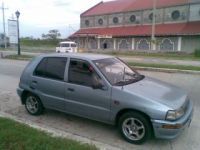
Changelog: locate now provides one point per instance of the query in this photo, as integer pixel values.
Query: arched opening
(166, 44)
(143, 44)
(105, 45)
(124, 44)
(92, 44)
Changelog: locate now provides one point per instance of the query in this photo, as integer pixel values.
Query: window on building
(100, 21)
(143, 44)
(167, 44)
(151, 16)
(124, 44)
(93, 44)
(53, 68)
(81, 73)
(132, 18)
(175, 15)
(87, 22)
(115, 20)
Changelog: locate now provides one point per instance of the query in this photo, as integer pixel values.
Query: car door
(48, 82)
(82, 98)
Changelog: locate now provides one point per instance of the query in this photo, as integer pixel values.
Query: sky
(40, 16)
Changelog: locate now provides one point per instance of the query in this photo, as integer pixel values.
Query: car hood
(159, 91)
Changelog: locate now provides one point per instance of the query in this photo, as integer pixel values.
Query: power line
(4, 27)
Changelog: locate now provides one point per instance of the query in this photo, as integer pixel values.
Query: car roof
(85, 56)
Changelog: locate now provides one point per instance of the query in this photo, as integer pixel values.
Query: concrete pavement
(95, 131)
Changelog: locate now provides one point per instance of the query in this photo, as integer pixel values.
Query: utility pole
(153, 40)
(4, 27)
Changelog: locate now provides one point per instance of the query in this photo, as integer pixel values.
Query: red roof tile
(128, 5)
(192, 28)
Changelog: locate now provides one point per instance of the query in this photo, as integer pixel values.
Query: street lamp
(17, 13)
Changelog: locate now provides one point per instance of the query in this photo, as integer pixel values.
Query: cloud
(39, 15)
(61, 3)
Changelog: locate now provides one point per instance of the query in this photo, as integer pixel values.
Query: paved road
(9, 102)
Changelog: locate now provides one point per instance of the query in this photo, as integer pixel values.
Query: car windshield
(117, 72)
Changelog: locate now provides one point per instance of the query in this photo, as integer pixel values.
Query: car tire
(135, 127)
(33, 105)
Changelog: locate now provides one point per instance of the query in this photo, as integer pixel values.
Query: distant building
(127, 25)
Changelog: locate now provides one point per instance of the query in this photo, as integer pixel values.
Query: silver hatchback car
(105, 89)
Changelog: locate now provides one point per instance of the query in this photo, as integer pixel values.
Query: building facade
(127, 25)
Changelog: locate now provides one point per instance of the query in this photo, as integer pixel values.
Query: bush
(197, 52)
(39, 42)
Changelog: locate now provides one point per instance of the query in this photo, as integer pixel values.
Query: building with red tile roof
(128, 25)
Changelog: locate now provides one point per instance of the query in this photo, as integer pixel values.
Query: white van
(67, 47)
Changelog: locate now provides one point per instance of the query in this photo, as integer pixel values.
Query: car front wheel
(134, 127)
(33, 105)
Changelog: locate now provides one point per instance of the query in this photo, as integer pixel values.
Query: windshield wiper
(129, 81)
(124, 82)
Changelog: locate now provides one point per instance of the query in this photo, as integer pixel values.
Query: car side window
(52, 67)
(82, 73)
(41, 68)
(55, 68)
(65, 45)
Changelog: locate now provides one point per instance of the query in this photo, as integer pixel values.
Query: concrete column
(179, 43)
(133, 44)
(153, 46)
(114, 43)
(98, 44)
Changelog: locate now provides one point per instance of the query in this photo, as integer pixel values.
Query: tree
(52, 35)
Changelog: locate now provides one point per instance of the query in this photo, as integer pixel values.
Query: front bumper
(171, 129)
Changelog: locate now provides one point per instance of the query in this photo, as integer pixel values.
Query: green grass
(17, 136)
(165, 66)
(32, 49)
(41, 49)
(20, 57)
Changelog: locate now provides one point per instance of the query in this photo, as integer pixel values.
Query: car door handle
(70, 89)
(31, 87)
(35, 82)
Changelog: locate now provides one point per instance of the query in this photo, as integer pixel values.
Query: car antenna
(123, 77)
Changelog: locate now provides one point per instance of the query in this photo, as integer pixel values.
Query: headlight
(175, 114)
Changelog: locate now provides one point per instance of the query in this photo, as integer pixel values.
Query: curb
(167, 70)
(59, 133)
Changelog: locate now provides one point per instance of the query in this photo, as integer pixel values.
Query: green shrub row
(39, 42)
(197, 52)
